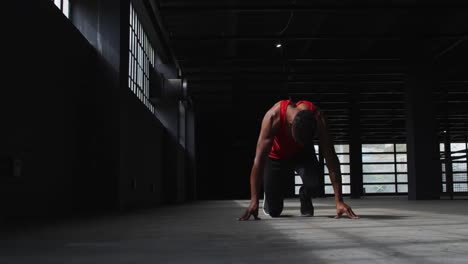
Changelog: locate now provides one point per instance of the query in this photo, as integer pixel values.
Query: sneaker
(265, 205)
(307, 208)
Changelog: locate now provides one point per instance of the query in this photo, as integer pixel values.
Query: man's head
(303, 127)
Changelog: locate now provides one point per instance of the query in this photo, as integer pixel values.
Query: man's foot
(307, 208)
(273, 211)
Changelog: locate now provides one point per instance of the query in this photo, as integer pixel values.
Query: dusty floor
(391, 230)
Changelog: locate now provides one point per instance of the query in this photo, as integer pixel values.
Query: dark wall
(178, 157)
(171, 167)
(141, 155)
(76, 138)
(99, 23)
(152, 162)
(57, 118)
(191, 158)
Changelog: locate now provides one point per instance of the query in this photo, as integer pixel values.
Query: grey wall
(99, 23)
(141, 155)
(57, 114)
(191, 146)
(82, 139)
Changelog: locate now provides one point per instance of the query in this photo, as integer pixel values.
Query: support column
(448, 164)
(424, 167)
(355, 146)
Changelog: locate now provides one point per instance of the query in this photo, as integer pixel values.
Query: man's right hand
(252, 210)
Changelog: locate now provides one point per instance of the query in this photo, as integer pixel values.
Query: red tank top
(284, 145)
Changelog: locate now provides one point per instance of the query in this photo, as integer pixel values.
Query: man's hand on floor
(252, 210)
(342, 208)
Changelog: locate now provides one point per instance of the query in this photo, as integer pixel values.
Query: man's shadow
(344, 216)
(372, 217)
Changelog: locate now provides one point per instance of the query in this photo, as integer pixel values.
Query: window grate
(141, 59)
(385, 168)
(64, 6)
(458, 167)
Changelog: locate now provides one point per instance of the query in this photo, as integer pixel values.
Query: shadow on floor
(362, 217)
(375, 217)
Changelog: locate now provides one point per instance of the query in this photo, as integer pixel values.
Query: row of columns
(424, 166)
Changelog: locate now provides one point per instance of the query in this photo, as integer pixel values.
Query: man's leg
(273, 187)
(307, 166)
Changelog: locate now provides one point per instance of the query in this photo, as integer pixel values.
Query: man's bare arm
(327, 146)
(264, 143)
(333, 164)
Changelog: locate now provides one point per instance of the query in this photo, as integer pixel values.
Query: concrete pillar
(448, 164)
(424, 167)
(355, 146)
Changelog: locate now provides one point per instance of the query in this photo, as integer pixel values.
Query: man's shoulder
(273, 114)
(277, 104)
(274, 110)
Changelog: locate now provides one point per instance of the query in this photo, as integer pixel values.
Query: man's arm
(328, 149)
(333, 164)
(264, 143)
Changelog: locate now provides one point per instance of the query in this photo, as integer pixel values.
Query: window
(141, 59)
(63, 5)
(459, 167)
(342, 151)
(384, 168)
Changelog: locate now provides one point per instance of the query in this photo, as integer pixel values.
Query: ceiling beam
(318, 65)
(337, 37)
(295, 82)
(176, 8)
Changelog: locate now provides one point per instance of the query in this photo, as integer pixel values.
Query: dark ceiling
(338, 54)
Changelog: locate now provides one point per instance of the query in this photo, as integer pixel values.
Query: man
(285, 144)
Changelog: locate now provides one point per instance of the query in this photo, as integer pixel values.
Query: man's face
(295, 135)
(303, 137)
(303, 128)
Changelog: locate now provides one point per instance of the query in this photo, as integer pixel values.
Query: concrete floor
(391, 230)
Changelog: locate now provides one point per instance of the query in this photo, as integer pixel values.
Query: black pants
(305, 163)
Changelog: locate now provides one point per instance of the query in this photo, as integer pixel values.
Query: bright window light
(384, 168)
(141, 59)
(63, 5)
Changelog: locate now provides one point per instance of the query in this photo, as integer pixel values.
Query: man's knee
(273, 205)
(274, 212)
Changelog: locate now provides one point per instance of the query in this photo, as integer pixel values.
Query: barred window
(141, 58)
(342, 151)
(63, 5)
(384, 168)
(343, 156)
(458, 155)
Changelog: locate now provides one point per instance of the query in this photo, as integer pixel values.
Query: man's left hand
(342, 208)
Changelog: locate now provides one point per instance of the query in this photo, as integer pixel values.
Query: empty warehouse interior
(129, 129)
